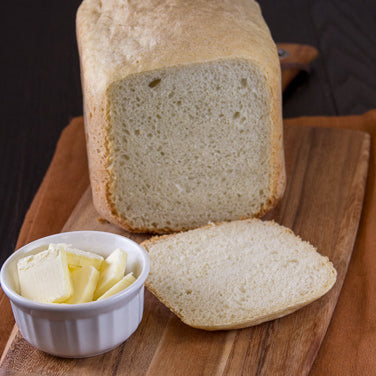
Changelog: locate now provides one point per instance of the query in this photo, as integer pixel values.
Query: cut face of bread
(236, 274)
(190, 144)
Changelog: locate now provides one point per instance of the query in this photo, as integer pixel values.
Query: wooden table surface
(41, 89)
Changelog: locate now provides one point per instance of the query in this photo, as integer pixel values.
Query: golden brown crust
(117, 39)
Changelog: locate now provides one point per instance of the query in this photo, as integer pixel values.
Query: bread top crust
(119, 38)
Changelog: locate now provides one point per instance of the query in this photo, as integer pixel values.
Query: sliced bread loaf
(182, 105)
(236, 274)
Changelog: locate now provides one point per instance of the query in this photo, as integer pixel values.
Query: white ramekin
(87, 329)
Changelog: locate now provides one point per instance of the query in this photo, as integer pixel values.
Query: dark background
(41, 92)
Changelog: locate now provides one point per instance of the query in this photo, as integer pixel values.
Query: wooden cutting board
(326, 171)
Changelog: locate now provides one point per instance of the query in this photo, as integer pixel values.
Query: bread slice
(182, 105)
(236, 274)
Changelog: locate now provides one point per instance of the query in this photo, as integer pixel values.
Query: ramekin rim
(81, 307)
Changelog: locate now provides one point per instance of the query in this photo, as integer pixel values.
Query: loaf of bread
(182, 106)
(236, 274)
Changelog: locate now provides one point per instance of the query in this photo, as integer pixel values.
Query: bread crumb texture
(190, 145)
(236, 274)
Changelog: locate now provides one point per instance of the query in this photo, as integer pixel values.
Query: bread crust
(117, 39)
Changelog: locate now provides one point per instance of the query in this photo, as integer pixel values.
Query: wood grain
(343, 32)
(335, 21)
(326, 170)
